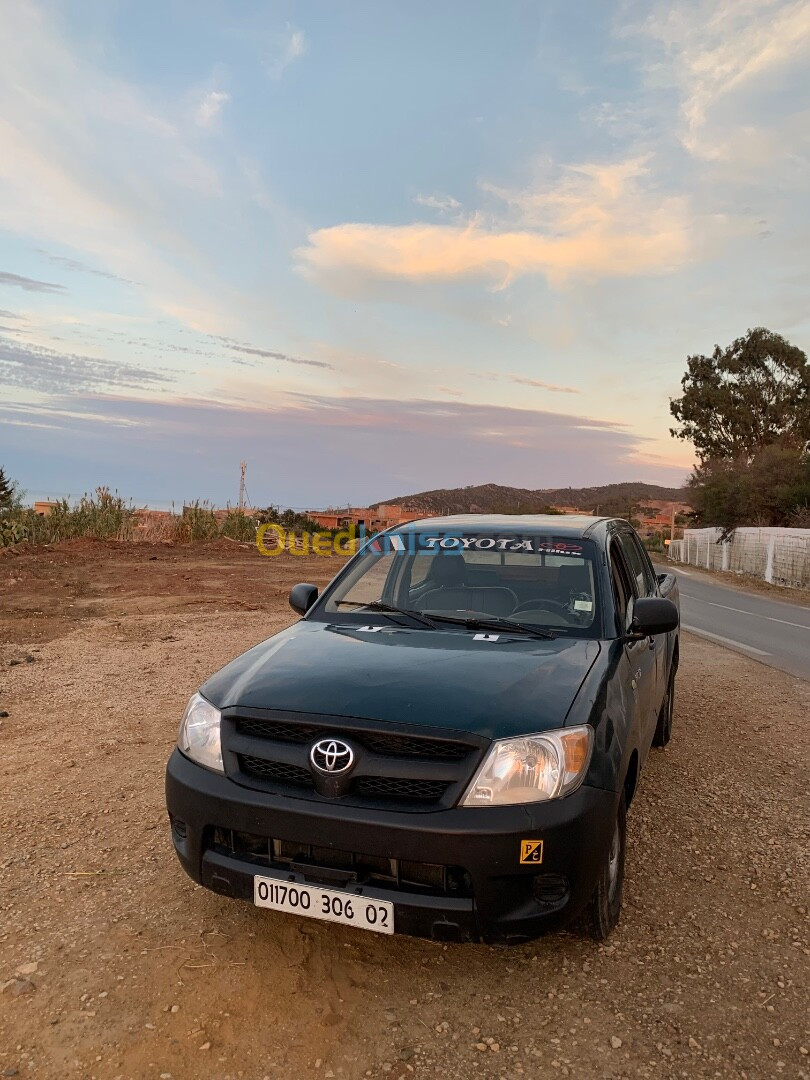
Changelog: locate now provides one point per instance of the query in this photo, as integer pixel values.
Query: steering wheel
(528, 605)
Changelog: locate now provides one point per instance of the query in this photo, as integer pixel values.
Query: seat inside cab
(558, 590)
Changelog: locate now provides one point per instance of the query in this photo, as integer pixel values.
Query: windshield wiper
(495, 623)
(490, 623)
(389, 609)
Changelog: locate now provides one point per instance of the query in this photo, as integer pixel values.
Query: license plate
(330, 905)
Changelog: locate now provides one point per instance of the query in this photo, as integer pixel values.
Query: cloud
(523, 380)
(31, 367)
(554, 387)
(268, 354)
(8, 314)
(734, 64)
(83, 268)
(326, 448)
(95, 164)
(346, 258)
(438, 202)
(591, 220)
(55, 416)
(29, 284)
(210, 108)
(293, 46)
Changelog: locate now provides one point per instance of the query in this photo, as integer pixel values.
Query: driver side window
(638, 564)
(622, 589)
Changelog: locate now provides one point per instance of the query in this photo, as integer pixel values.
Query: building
(659, 517)
(371, 518)
(44, 507)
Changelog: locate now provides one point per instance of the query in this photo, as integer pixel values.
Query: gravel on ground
(113, 964)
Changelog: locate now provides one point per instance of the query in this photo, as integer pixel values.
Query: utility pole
(243, 470)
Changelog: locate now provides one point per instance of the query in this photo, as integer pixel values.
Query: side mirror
(302, 597)
(653, 615)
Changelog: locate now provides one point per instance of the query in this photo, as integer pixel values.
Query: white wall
(781, 556)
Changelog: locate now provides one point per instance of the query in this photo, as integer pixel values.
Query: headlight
(532, 768)
(198, 737)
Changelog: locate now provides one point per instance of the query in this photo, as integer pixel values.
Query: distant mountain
(610, 499)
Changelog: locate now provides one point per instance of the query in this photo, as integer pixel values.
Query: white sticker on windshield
(505, 543)
(583, 605)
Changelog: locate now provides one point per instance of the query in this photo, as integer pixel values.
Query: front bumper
(506, 901)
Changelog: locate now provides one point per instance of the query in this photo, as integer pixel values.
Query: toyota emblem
(331, 756)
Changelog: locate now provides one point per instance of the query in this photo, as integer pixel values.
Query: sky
(377, 248)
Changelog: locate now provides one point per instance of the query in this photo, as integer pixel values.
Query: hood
(512, 686)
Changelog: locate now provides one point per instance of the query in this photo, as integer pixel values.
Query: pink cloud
(314, 449)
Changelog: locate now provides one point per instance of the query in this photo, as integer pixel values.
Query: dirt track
(129, 970)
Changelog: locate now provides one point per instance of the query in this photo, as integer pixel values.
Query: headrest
(574, 577)
(447, 570)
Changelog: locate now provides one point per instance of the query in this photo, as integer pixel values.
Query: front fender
(605, 701)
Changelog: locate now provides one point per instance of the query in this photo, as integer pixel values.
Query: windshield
(539, 581)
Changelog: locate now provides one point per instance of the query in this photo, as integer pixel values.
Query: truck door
(646, 579)
(640, 654)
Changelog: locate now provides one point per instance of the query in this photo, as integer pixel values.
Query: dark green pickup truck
(446, 744)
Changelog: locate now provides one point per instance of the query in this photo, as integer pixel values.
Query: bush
(197, 523)
(12, 531)
(238, 526)
(104, 516)
(772, 488)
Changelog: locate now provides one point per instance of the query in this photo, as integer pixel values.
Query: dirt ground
(114, 964)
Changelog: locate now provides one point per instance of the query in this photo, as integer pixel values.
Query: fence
(780, 556)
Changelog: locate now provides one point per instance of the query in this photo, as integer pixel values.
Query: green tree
(6, 491)
(745, 397)
(772, 488)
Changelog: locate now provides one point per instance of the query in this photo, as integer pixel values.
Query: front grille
(276, 729)
(401, 746)
(428, 790)
(377, 742)
(396, 767)
(277, 770)
(360, 869)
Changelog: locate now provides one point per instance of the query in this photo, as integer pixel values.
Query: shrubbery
(771, 488)
(105, 515)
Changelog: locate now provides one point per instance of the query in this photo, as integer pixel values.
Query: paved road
(769, 630)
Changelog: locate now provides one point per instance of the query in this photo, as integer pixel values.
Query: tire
(605, 905)
(663, 729)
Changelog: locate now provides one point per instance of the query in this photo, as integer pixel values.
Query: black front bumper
(507, 901)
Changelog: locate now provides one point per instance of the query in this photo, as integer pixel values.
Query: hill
(497, 499)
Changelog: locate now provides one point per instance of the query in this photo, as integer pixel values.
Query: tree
(772, 488)
(6, 491)
(752, 394)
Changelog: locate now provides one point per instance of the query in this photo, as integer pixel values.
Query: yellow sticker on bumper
(531, 851)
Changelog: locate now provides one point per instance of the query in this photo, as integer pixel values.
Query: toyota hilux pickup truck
(447, 742)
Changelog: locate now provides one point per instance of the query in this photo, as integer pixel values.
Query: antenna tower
(243, 470)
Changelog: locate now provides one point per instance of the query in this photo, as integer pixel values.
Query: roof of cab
(572, 525)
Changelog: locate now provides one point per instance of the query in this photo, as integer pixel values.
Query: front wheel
(663, 729)
(605, 905)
